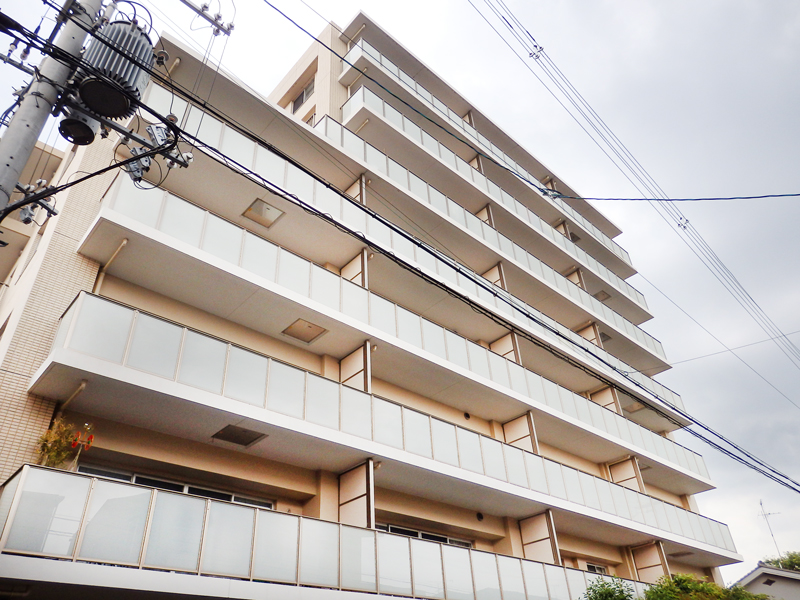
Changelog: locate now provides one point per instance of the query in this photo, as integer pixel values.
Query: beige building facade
(356, 347)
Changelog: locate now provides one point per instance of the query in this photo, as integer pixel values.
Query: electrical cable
(764, 469)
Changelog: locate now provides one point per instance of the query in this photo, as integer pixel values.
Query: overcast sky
(706, 97)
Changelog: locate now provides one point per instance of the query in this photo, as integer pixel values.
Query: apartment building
(367, 355)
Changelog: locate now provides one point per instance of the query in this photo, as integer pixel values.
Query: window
(173, 486)
(424, 535)
(304, 95)
(599, 569)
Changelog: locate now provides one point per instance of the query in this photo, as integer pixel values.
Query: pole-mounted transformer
(118, 60)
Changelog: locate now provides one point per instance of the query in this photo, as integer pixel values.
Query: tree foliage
(688, 587)
(55, 445)
(614, 589)
(790, 560)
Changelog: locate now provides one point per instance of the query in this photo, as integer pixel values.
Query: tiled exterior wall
(61, 274)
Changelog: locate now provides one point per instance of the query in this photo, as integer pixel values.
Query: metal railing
(365, 97)
(70, 516)
(201, 229)
(454, 119)
(120, 334)
(288, 177)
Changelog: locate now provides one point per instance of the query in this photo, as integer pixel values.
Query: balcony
(415, 345)
(322, 243)
(377, 122)
(94, 526)
(362, 55)
(634, 346)
(144, 371)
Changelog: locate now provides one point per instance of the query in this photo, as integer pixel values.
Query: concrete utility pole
(31, 115)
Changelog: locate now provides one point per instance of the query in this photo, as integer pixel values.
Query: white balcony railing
(70, 516)
(461, 125)
(366, 97)
(144, 342)
(257, 255)
(288, 177)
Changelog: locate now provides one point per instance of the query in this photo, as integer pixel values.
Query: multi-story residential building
(399, 366)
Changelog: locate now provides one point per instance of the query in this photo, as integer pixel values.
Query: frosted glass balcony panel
(388, 423)
(246, 376)
(353, 143)
(556, 583)
(457, 573)
(469, 450)
(238, 147)
(445, 447)
(222, 239)
(300, 183)
(555, 479)
(417, 186)
(499, 368)
(589, 490)
(577, 583)
(325, 287)
(260, 256)
(438, 200)
(175, 532)
(394, 565)
(286, 389)
(484, 573)
(478, 360)
(115, 523)
(426, 561)
(356, 413)
(102, 329)
(203, 126)
(409, 327)
(433, 339)
(228, 538)
(202, 362)
(634, 504)
(7, 497)
(48, 514)
(536, 477)
(182, 220)
(515, 466)
(382, 314)
(355, 301)
(573, 485)
(511, 578)
(322, 401)
(270, 166)
(328, 201)
(493, 458)
(398, 173)
(63, 326)
(517, 378)
(294, 272)
(358, 559)
(620, 501)
(319, 553)
(165, 102)
(275, 552)
(417, 429)
(155, 346)
(142, 205)
(535, 583)
(403, 246)
(376, 159)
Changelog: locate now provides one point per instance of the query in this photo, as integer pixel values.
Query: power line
(743, 457)
(707, 199)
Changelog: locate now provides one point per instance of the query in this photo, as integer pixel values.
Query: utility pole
(766, 516)
(30, 117)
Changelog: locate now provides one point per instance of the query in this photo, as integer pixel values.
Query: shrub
(603, 589)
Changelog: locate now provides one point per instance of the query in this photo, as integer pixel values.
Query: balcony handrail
(459, 123)
(502, 198)
(607, 362)
(635, 334)
(135, 212)
(90, 519)
(497, 459)
(644, 433)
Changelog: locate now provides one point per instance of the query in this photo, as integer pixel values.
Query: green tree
(603, 589)
(688, 587)
(790, 560)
